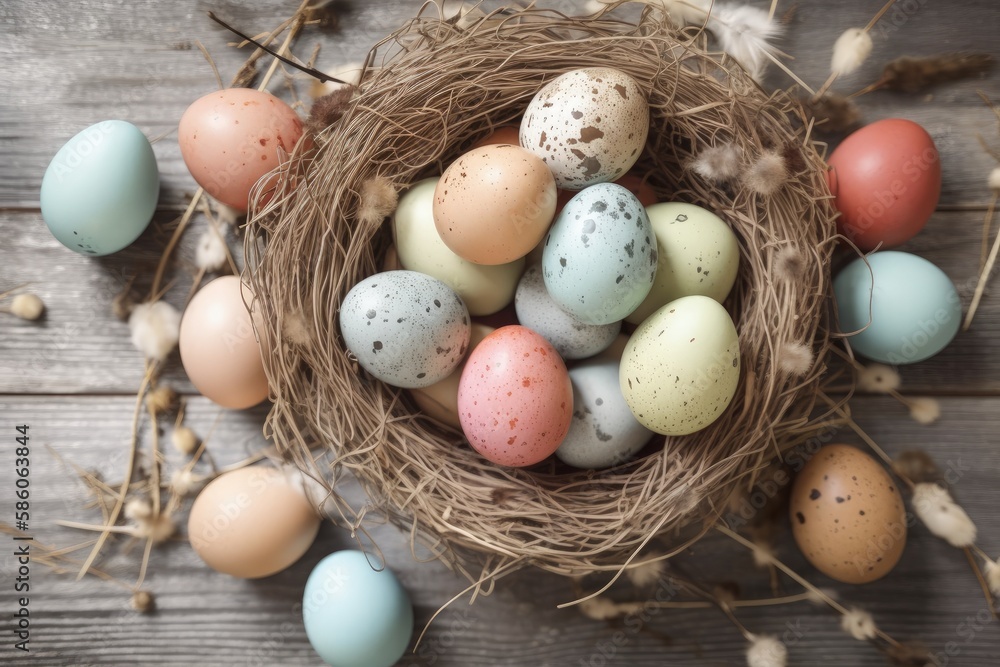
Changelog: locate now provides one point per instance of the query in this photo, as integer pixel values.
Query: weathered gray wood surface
(70, 377)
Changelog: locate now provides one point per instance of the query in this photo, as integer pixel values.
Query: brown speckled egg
(588, 125)
(847, 515)
(494, 204)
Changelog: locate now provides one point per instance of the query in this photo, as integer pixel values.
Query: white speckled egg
(599, 260)
(603, 432)
(571, 338)
(485, 289)
(697, 253)
(588, 125)
(407, 329)
(681, 366)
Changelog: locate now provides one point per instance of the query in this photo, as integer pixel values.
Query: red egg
(230, 138)
(515, 398)
(508, 134)
(886, 181)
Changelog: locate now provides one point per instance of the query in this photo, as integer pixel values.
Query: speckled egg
(515, 398)
(571, 338)
(588, 125)
(603, 432)
(681, 367)
(697, 253)
(847, 515)
(599, 260)
(405, 328)
(484, 289)
(440, 400)
(494, 204)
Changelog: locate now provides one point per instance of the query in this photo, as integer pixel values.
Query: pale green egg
(100, 190)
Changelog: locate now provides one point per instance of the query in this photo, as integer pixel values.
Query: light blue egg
(599, 259)
(915, 309)
(603, 432)
(356, 616)
(100, 190)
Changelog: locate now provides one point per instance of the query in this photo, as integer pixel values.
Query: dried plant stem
(298, 19)
(817, 592)
(129, 469)
(4, 295)
(185, 218)
(984, 276)
(211, 63)
(871, 24)
(981, 579)
(987, 224)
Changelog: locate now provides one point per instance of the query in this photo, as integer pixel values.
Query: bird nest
(429, 91)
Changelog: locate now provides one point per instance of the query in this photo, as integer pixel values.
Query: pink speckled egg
(515, 398)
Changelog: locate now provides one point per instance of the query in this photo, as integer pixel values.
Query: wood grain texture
(208, 619)
(70, 376)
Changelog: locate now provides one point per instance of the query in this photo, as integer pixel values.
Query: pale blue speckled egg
(915, 308)
(405, 328)
(100, 190)
(356, 616)
(599, 260)
(571, 338)
(603, 432)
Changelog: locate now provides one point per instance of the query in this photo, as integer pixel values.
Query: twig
(983, 277)
(987, 224)
(833, 75)
(161, 267)
(211, 63)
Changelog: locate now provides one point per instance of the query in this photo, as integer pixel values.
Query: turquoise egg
(915, 309)
(356, 616)
(100, 190)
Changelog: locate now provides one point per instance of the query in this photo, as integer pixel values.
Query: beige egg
(218, 345)
(252, 522)
(588, 125)
(440, 400)
(485, 289)
(847, 515)
(697, 253)
(494, 204)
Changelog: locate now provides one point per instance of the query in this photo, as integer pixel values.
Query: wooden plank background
(72, 376)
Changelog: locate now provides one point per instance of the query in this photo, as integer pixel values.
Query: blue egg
(356, 616)
(599, 259)
(915, 309)
(100, 190)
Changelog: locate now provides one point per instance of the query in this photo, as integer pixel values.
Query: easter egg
(571, 338)
(914, 308)
(847, 515)
(697, 253)
(440, 400)
(681, 367)
(494, 204)
(886, 182)
(230, 138)
(100, 190)
(604, 432)
(588, 125)
(218, 347)
(355, 615)
(485, 289)
(515, 398)
(599, 260)
(252, 522)
(405, 328)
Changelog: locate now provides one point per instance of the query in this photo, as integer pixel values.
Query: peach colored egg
(494, 204)
(508, 134)
(252, 522)
(218, 347)
(515, 398)
(847, 515)
(440, 400)
(230, 138)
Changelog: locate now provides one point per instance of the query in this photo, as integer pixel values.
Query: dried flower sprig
(851, 49)
(910, 74)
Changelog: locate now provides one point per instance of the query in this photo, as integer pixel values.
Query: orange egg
(508, 134)
(230, 138)
(515, 398)
(218, 347)
(886, 182)
(494, 204)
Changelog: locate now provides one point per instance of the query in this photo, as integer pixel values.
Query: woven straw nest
(429, 91)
